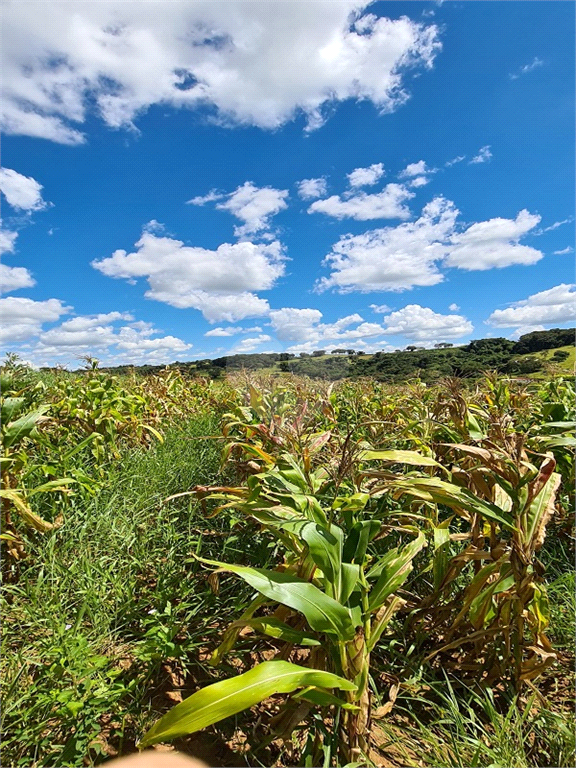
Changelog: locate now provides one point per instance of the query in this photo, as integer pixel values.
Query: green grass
(102, 601)
(563, 368)
(468, 729)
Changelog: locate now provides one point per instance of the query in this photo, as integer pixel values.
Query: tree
(524, 365)
(443, 345)
(318, 352)
(537, 340)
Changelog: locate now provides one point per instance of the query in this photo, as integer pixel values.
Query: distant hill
(532, 354)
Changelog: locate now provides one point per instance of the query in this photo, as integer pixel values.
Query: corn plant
(495, 624)
(329, 598)
(99, 405)
(20, 428)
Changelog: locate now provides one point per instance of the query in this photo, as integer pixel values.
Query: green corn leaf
(228, 697)
(252, 449)
(323, 613)
(349, 580)
(474, 429)
(540, 606)
(22, 427)
(482, 603)
(354, 503)
(441, 544)
(278, 629)
(358, 539)
(440, 492)
(558, 442)
(323, 699)
(295, 477)
(326, 550)
(395, 572)
(10, 408)
(51, 485)
(77, 448)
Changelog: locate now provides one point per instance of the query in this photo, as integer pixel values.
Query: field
(564, 366)
(367, 573)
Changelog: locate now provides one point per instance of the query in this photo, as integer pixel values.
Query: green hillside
(558, 363)
(535, 355)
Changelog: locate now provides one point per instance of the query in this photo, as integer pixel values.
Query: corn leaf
(399, 457)
(29, 517)
(323, 613)
(358, 539)
(153, 431)
(278, 629)
(440, 492)
(397, 566)
(22, 427)
(323, 699)
(10, 407)
(540, 511)
(228, 697)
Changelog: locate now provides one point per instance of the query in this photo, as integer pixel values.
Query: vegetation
(522, 358)
(308, 573)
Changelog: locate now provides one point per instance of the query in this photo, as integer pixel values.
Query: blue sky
(193, 179)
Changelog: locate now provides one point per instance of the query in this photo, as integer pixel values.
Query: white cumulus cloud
(494, 243)
(88, 331)
(393, 258)
(114, 337)
(419, 181)
(555, 305)
(387, 204)
(210, 197)
(23, 318)
(366, 177)
(252, 63)
(254, 206)
(232, 330)
(564, 251)
(304, 327)
(22, 192)
(7, 240)
(423, 324)
(411, 254)
(12, 278)
(219, 283)
(250, 344)
(555, 225)
(310, 189)
(415, 169)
